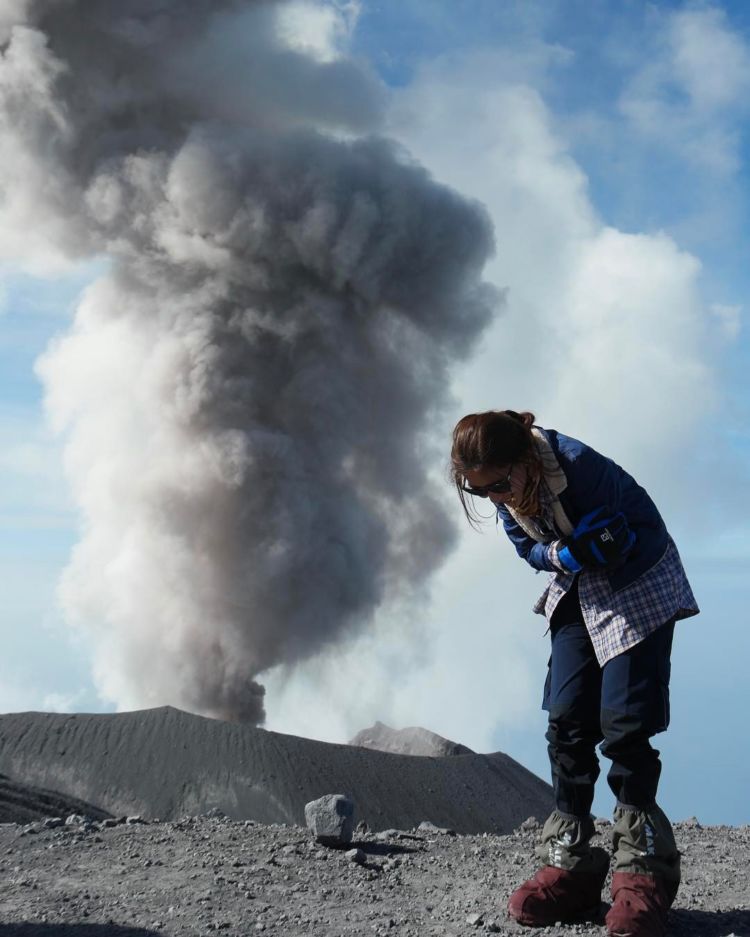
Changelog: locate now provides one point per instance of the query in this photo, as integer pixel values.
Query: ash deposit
(198, 876)
(165, 763)
(440, 844)
(24, 803)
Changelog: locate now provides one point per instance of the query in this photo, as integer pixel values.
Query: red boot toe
(640, 905)
(556, 895)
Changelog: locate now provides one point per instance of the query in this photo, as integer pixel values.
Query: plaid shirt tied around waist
(618, 620)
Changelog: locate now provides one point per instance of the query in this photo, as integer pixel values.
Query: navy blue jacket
(595, 481)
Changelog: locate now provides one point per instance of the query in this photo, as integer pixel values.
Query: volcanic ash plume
(249, 390)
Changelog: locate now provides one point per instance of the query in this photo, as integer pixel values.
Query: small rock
(215, 813)
(75, 819)
(385, 835)
(135, 819)
(357, 856)
(51, 823)
(362, 828)
(475, 919)
(531, 823)
(331, 819)
(108, 823)
(426, 826)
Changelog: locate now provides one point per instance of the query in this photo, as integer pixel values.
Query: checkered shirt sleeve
(554, 555)
(619, 620)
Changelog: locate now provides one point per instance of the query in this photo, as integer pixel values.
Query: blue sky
(609, 143)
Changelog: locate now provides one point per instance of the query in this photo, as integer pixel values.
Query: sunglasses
(500, 487)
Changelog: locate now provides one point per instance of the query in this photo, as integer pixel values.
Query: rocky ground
(200, 876)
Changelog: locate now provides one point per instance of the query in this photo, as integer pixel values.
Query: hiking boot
(555, 894)
(640, 904)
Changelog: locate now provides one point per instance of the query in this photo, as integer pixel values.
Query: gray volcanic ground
(165, 763)
(199, 876)
(24, 803)
(192, 876)
(414, 740)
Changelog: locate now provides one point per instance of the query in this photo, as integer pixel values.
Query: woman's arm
(594, 481)
(538, 555)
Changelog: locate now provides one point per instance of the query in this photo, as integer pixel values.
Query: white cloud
(33, 490)
(14, 698)
(634, 368)
(730, 320)
(62, 702)
(318, 30)
(584, 300)
(710, 61)
(605, 335)
(22, 696)
(466, 663)
(45, 295)
(17, 696)
(688, 94)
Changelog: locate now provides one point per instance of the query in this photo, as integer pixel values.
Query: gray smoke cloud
(250, 390)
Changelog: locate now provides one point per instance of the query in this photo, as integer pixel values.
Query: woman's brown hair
(496, 438)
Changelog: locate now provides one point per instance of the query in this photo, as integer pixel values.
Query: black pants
(621, 705)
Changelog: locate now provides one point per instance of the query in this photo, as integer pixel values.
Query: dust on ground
(202, 876)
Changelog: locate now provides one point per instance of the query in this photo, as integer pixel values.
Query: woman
(616, 590)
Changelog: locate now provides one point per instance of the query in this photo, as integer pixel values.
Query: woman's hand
(601, 539)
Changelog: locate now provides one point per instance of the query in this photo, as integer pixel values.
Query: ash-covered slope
(166, 763)
(413, 740)
(23, 803)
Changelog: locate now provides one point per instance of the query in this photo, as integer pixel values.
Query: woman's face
(489, 475)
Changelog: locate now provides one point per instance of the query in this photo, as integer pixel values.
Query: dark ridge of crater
(24, 803)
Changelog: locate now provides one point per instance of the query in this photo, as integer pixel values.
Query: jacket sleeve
(536, 554)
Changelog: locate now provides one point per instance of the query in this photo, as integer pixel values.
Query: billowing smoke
(250, 389)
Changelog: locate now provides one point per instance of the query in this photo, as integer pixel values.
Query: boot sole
(591, 914)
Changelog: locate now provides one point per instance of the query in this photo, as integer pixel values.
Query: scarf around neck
(553, 483)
